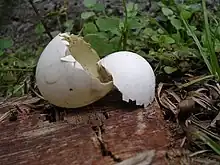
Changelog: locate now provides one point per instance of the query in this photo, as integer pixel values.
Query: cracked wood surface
(85, 139)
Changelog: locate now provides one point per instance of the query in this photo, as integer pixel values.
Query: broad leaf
(131, 6)
(155, 38)
(89, 28)
(186, 14)
(132, 9)
(98, 7)
(176, 23)
(115, 43)
(100, 43)
(107, 24)
(5, 43)
(169, 69)
(167, 11)
(149, 32)
(134, 24)
(89, 3)
(167, 39)
(87, 15)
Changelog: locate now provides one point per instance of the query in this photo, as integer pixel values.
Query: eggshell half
(132, 75)
(66, 82)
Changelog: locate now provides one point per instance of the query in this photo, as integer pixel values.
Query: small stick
(41, 19)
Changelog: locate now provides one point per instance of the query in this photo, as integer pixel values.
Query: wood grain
(86, 136)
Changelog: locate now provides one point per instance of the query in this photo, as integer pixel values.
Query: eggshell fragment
(67, 73)
(132, 75)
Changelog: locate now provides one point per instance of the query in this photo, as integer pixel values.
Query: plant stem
(125, 28)
(41, 19)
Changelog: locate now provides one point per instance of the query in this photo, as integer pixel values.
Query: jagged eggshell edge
(132, 75)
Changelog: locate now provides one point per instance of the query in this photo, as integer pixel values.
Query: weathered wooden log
(105, 133)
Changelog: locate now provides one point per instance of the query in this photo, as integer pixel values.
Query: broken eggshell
(132, 75)
(68, 75)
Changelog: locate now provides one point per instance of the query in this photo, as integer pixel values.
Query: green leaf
(167, 39)
(89, 3)
(68, 25)
(160, 31)
(87, 15)
(167, 11)
(108, 24)
(39, 29)
(131, 6)
(149, 32)
(176, 23)
(155, 38)
(115, 32)
(5, 43)
(98, 7)
(169, 69)
(208, 141)
(1, 52)
(100, 43)
(177, 37)
(115, 43)
(159, 18)
(134, 23)
(186, 14)
(132, 9)
(39, 51)
(195, 7)
(160, 4)
(89, 28)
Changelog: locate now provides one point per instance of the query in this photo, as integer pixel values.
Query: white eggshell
(132, 75)
(63, 81)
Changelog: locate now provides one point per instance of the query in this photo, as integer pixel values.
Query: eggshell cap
(132, 75)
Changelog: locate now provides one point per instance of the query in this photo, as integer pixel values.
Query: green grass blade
(213, 57)
(194, 81)
(197, 43)
(215, 146)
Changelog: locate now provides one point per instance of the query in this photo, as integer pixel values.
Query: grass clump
(207, 51)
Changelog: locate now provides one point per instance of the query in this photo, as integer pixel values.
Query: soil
(107, 132)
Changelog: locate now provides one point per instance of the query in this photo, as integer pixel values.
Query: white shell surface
(132, 75)
(63, 81)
